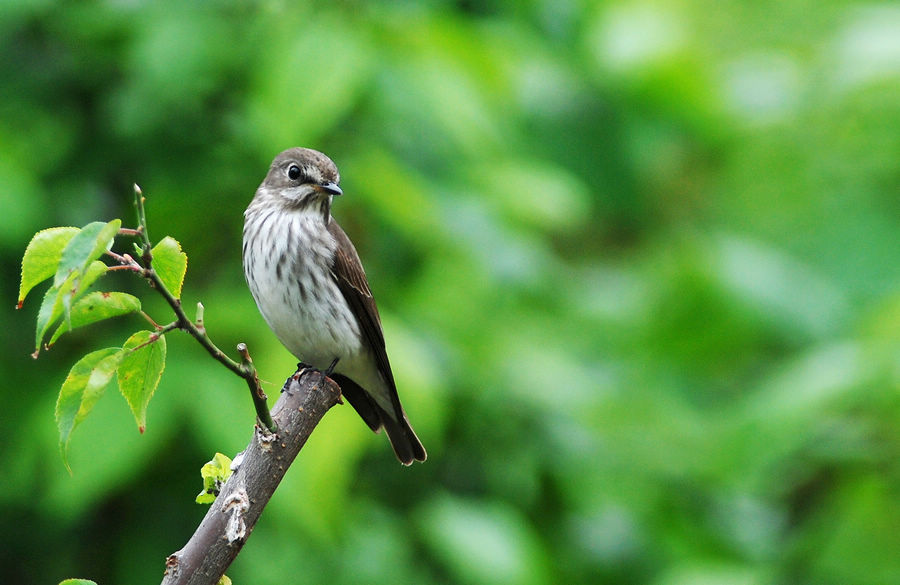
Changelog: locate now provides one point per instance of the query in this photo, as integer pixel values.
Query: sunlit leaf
(77, 582)
(86, 246)
(85, 384)
(97, 306)
(57, 298)
(205, 497)
(42, 257)
(140, 371)
(170, 263)
(214, 473)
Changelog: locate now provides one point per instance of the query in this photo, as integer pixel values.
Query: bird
(310, 287)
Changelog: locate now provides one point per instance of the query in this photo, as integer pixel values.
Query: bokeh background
(637, 263)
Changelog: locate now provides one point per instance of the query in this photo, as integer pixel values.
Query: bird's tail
(403, 439)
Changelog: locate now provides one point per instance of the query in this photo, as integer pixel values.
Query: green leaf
(224, 580)
(205, 497)
(140, 371)
(170, 263)
(58, 298)
(42, 257)
(85, 247)
(84, 385)
(78, 582)
(51, 310)
(215, 473)
(97, 306)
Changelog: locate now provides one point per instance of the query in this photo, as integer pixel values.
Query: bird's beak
(330, 188)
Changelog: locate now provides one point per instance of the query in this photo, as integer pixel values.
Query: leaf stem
(125, 261)
(150, 320)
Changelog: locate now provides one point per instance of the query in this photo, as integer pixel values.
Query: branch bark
(307, 396)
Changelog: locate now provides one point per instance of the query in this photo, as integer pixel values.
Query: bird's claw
(303, 368)
(330, 369)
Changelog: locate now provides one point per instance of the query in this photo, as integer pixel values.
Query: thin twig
(245, 369)
(256, 391)
(139, 199)
(166, 328)
(199, 319)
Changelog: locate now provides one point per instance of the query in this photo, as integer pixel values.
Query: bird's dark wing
(351, 280)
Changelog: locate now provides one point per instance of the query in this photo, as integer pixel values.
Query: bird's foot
(303, 368)
(287, 383)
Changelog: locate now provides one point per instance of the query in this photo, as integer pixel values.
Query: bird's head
(302, 178)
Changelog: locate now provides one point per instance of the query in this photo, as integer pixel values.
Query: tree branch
(306, 397)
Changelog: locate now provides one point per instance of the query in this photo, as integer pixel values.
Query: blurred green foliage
(637, 263)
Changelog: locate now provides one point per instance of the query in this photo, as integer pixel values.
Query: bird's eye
(293, 172)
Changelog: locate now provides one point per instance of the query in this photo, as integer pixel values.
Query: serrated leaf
(170, 263)
(86, 246)
(97, 306)
(85, 384)
(50, 311)
(42, 257)
(58, 298)
(140, 371)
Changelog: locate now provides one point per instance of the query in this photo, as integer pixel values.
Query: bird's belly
(308, 315)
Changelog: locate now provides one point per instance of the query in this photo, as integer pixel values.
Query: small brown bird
(310, 287)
